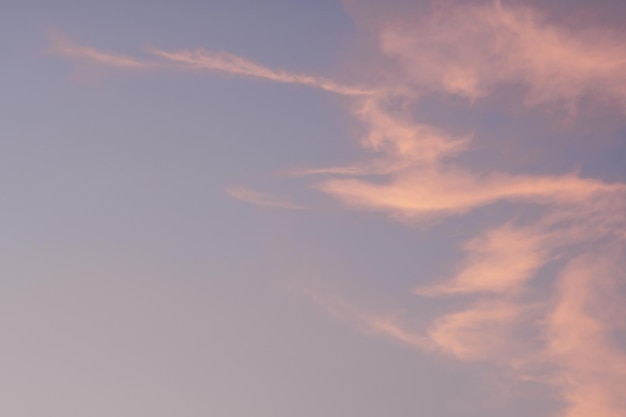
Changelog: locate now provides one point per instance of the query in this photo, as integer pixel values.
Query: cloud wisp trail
(197, 60)
(257, 198)
(232, 64)
(63, 46)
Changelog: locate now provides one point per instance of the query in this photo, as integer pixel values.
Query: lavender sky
(313, 208)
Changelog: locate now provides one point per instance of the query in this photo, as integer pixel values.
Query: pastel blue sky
(279, 208)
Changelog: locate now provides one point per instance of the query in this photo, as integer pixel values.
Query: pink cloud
(499, 261)
(432, 192)
(471, 49)
(579, 332)
(403, 139)
(481, 332)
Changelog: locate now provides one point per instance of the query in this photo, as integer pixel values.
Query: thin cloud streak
(372, 324)
(261, 199)
(392, 329)
(63, 46)
(201, 59)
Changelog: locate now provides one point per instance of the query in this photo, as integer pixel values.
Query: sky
(313, 208)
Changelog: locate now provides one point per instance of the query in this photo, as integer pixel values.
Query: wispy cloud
(232, 64)
(257, 198)
(419, 192)
(374, 324)
(471, 49)
(481, 332)
(592, 369)
(499, 261)
(392, 328)
(199, 59)
(407, 141)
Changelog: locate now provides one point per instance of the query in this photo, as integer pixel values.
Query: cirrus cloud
(558, 328)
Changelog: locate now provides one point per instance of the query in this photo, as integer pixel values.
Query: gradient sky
(313, 208)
